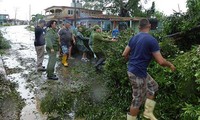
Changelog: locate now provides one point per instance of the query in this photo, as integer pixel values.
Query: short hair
(51, 22)
(143, 23)
(95, 27)
(42, 21)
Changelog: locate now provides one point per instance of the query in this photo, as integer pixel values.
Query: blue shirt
(115, 33)
(142, 46)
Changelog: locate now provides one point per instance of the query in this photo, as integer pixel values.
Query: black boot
(54, 77)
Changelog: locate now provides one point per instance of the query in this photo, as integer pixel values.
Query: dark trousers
(51, 63)
(100, 59)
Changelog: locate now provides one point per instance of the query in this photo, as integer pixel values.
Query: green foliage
(9, 95)
(180, 22)
(191, 112)
(118, 7)
(86, 32)
(177, 88)
(193, 11)
(185, 25)
(57, 100)
(188, 72)
(178, 95)
(169, 49)
(4, 44)
(30, 28)
(35, 19)
(96, 5)
(151, 11)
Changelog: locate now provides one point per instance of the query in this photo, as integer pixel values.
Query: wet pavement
(19, 63)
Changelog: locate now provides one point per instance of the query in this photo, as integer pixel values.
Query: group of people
(53, 40)
(139, 52)
(62, 40)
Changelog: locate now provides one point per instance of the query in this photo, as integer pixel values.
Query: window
(70, 12)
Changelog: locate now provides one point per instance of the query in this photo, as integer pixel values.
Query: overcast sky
(21, 7)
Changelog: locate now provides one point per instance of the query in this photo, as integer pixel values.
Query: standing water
(19, 62)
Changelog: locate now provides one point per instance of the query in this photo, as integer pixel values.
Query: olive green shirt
(52, 39)
(99, 42)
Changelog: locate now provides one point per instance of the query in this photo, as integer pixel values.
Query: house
(89, 17)
(4, 18)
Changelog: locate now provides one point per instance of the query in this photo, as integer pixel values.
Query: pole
(29, 13)
(75, 13)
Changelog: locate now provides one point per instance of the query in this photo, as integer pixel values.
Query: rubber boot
(149, 107)
(64, 60)
(129, 117)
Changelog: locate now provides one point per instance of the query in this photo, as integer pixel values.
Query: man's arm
(126, 52)
(101, 38)
(73, 39)
(162, 61)
(49, 44)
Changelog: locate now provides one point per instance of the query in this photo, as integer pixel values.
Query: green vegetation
(4, 44)
(30, 28)
(178, 97)
(123, 8)
(10, 100)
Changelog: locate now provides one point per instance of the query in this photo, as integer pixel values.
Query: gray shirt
(65, 36)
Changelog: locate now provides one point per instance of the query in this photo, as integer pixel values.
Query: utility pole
(16, 9)
(75, 4)
(29, 14)
(179, 10)
(75, 13)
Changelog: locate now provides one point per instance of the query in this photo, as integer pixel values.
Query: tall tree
(122, 8)
(150, 12)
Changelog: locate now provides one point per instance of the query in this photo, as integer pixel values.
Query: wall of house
(3, 19)
(135, 26)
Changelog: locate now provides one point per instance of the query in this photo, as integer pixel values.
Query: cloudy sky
(20, 8)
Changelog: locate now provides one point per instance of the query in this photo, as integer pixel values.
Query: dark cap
(66, 22)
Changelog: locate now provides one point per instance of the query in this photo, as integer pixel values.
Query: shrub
(4, 44)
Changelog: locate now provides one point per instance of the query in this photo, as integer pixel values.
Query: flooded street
(72, 91)
(19, 62)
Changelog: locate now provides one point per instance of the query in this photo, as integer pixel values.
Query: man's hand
(74, 42)
(126, 52)
(172, 67)
(114, 40)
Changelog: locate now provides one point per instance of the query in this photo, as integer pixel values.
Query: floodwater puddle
(19, 62)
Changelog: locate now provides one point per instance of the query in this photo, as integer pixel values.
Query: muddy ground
(19, 63)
